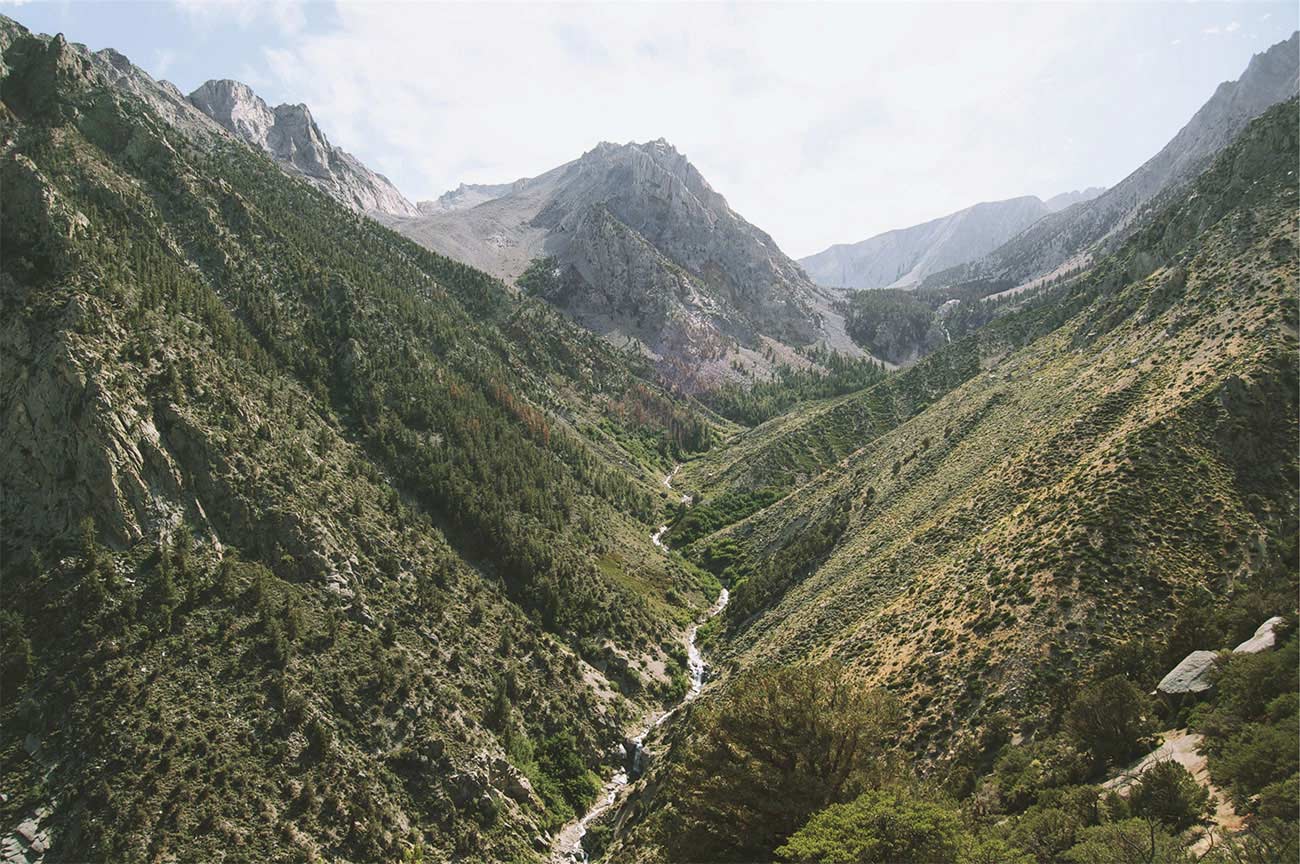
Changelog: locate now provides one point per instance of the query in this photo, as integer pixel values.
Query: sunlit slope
(975, 556)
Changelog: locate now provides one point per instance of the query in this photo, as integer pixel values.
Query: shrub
(777, 746)
(1133, 841)
(1168, 793)
(1111, 720)
(886, 825)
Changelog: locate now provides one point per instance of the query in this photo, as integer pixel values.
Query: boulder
(507, 780)
(1265, 638)
(1192, 675)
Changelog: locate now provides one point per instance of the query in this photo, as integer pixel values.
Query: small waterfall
(569, 843)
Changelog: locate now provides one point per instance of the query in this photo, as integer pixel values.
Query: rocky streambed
(568, 843)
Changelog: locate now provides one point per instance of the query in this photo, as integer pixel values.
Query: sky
(821, 124)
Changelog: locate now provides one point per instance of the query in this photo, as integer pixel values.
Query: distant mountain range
(905, 256)
(633, 242)
(1068, 239)
(1068, 199)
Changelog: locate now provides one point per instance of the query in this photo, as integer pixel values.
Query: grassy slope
(1000, 538)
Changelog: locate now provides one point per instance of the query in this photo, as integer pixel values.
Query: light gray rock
(465, 196)
(1057, 203)
(507, 780)
(1192, 675)
(291, 137)
(1265, 638)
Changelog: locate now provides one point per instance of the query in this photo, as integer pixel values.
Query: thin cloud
(162, 64)
(287, 16)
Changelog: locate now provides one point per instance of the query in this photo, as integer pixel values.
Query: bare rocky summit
(290, 136)
(1057, 203)
(632, 241)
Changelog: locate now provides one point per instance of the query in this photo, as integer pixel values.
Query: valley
(569, 519)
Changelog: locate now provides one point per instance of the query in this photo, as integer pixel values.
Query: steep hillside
(905, 256)
(1070, 237)
(346, 529)
(980, 548)
(632, 242)
(289, 135)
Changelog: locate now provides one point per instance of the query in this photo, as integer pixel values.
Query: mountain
(351, 531)
(467, 195)
(316, 544)
(1050, 510)
(1067, 199)
(635, 244)
(291, 137)
(905, 256)
(1066, 240)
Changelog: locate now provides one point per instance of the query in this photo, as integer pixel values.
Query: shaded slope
(316, 540)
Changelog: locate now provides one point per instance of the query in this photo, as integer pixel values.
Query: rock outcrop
(1264, 639)
(291, 137)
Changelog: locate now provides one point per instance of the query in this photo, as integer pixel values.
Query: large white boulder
(1193, 675)
(1264, 639)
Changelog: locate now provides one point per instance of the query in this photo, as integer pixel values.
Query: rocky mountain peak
(236, 107)
(640, 247)
(289, 134)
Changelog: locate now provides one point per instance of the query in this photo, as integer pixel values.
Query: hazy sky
(819, 123)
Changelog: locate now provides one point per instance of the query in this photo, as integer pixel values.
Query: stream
(568, 843)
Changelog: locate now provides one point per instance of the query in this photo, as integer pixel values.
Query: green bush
(1133, 841)
(889, 825)
(1112, 721)
(1168, 793)
(894, 826)
(776, 746)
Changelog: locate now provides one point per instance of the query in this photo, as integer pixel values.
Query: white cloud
(775, 104)
(1232, 27)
